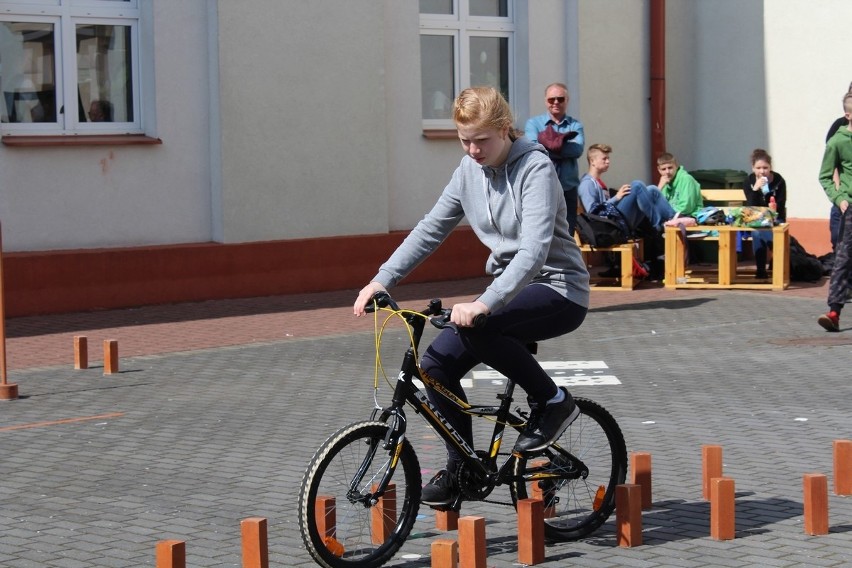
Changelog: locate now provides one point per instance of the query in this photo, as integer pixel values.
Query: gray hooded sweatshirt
(518, 212)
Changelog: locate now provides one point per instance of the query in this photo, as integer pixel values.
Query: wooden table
(677, 275)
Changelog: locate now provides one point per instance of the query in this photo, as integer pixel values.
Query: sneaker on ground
(441, 489)
(547, 424)
(830, 321)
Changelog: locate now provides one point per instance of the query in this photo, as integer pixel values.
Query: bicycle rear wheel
(589, 460)
(339, 527)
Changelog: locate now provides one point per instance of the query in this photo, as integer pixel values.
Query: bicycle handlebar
(437, 314)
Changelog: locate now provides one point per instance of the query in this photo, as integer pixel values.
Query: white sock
(560, 396)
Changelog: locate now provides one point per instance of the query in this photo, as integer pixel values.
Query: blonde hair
(666, 158)
(606, 149)
(562, 86)
(482, 107)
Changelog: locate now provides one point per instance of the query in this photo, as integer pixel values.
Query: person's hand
(365, 296)
(664, 179)
(463, 314)
(843, 205)
(622, 192)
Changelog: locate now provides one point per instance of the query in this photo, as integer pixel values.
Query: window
(69, 67)
(463, 43)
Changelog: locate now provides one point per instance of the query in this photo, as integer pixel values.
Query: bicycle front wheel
(340, 525)
(577, 474)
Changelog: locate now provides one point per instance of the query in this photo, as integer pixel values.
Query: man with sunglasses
(562, 135)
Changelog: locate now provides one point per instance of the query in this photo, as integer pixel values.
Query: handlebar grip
(479, 320)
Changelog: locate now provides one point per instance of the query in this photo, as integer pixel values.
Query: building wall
(85, 197)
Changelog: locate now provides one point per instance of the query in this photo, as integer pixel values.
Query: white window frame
(462, 26)
(65, 15)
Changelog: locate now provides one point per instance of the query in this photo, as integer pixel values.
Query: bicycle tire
(348, 537)
(577, 507)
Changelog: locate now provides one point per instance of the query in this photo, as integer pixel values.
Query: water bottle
(772, 204)
(765, 187)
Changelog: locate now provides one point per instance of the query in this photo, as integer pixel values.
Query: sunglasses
(553, 100)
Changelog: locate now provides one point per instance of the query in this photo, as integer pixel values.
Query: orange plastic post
(325, 513)
(816, 503)
(640, 474)
(171, 554)
(537, 493)
(8, 391)
(255, 543)
(447, 520)
(445, 553)
(843, 467)
(530, 531)
(383, 518)
(81, 352)
(110, 356)
(722, 513)
(472, 542)
(628, 515)
(711, 467)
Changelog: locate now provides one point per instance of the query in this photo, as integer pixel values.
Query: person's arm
(686, 193)
(781, 197)
(429, 233)
(539, 194)
(589, 194)
(826, 175)
(752, 197)
(572, 148)
(531, 129)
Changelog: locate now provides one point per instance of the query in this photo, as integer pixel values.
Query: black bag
(597, 231)
(804, 266)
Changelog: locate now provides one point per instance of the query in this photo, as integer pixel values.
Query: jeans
(834, 220)
(645, 201)
(571, 198)
(536, 313)
(760, 242)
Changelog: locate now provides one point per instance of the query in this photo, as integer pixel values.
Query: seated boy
(680, 189)
(634, 202)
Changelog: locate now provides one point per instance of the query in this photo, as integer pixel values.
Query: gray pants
(842, 264)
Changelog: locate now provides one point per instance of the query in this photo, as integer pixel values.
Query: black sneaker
(547, 424)
(441, 490)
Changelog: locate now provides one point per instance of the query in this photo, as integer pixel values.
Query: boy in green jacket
(680, 189)
(838, 155)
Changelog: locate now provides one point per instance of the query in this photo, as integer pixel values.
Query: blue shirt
(565, 160)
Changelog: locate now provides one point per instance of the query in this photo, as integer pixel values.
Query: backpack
(597, 231)
(804, 266)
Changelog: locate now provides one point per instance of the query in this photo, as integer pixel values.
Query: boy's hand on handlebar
(365, 296)
(464, 314)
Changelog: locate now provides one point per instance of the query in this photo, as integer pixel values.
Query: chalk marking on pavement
(64, 421)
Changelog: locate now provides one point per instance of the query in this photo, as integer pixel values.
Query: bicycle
(356, 511)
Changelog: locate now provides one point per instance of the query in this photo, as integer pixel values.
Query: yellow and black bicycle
(361, 492)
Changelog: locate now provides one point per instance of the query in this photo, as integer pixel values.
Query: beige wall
(111, 196)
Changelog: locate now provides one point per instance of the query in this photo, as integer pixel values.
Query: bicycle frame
(406, 391)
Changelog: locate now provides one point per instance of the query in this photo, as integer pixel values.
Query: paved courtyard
(218, 407)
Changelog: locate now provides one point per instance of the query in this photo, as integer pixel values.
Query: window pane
(27, 81)
(489, 63)
(436, 7)
(104, 78)
(437, 71)
(493, 8)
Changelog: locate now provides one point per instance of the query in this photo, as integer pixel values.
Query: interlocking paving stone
(217, 426)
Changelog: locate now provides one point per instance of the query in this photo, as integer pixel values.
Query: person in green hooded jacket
(838, 156)
(681, 190)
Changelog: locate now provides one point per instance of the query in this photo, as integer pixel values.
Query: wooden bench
(628, 251)
(677, 275)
